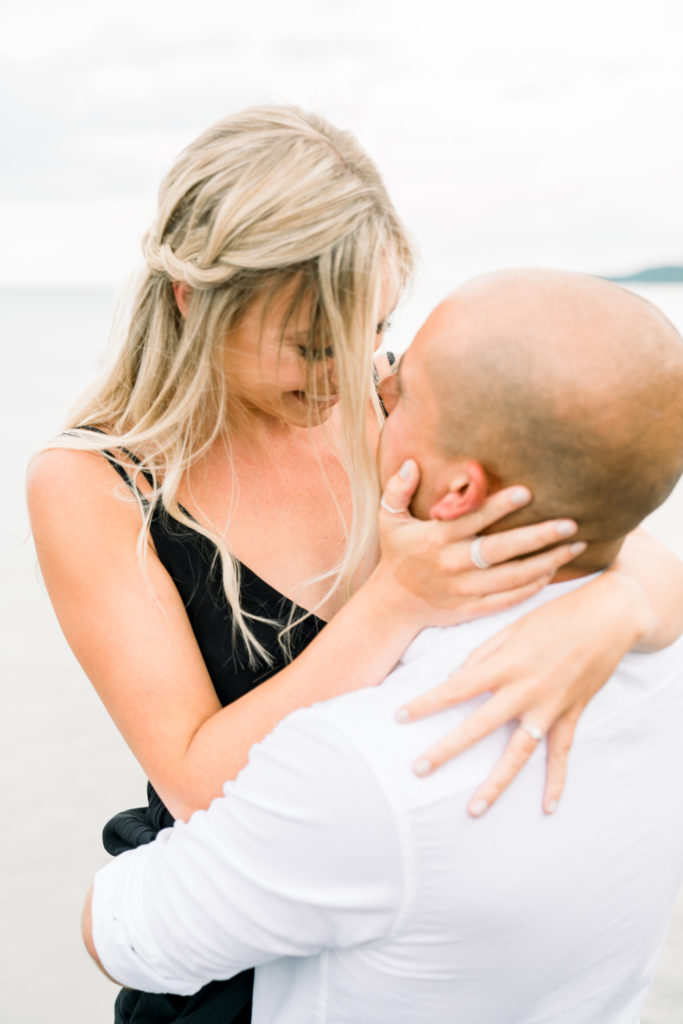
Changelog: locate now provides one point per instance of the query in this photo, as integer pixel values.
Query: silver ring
(394, 511)
(533, 730)
(478, 559)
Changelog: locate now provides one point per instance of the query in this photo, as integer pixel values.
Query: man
(364, 893)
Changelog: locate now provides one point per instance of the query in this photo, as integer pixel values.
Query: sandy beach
(65, 769)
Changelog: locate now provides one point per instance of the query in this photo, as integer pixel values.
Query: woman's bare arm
(656, 573)
(131, 634)
(546, 666)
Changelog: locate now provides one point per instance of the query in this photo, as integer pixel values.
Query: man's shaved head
(564, 382)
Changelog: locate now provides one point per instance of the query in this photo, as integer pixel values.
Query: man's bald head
(564, 382)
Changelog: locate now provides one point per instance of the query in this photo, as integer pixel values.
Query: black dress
(190, 560)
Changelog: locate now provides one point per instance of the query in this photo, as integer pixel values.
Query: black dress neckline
(123, 473)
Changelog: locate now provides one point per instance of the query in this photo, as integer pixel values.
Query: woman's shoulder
(57, 472)
(70, 487)
(55, 463)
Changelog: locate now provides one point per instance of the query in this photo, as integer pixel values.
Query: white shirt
(365, 894)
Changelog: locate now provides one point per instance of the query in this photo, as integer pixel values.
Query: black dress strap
(120, 468)
(123, 472)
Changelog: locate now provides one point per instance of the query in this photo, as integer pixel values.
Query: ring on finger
(533, 730)
(388, 508)
(478, 559)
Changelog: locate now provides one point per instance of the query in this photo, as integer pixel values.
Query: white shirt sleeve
(299, 855)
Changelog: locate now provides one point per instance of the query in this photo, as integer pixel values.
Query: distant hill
(652, 275)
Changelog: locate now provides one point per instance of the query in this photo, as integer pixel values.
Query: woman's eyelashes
(315, 354)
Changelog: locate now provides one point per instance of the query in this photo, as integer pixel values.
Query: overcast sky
(509, 131)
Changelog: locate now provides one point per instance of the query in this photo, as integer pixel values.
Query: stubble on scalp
(568, 384)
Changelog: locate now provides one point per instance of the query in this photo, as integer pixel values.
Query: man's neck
(595, 558)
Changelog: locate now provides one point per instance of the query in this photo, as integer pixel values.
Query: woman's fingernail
(566, 528)
(551, 807)
(406, 469)
(520, 496)
(578, 547)
(478, 808)
(402, 715)
(423, 766)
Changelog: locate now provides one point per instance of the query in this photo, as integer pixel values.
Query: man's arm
(86, 931)
(300, 855)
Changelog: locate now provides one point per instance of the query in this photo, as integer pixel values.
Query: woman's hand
(542, 671)
(429, 568)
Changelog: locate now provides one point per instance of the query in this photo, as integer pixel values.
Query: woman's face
(276, 375)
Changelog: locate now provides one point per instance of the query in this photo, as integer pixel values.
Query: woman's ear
(182, 294)
(467, 490)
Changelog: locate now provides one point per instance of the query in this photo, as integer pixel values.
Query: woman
(238, 418)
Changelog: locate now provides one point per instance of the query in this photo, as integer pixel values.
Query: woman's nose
(327, 379)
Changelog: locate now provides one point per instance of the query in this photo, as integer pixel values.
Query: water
(63, 766)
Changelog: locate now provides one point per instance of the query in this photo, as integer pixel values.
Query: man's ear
(467, 489)
(182, 294)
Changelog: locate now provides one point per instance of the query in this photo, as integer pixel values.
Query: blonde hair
(266, 197)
